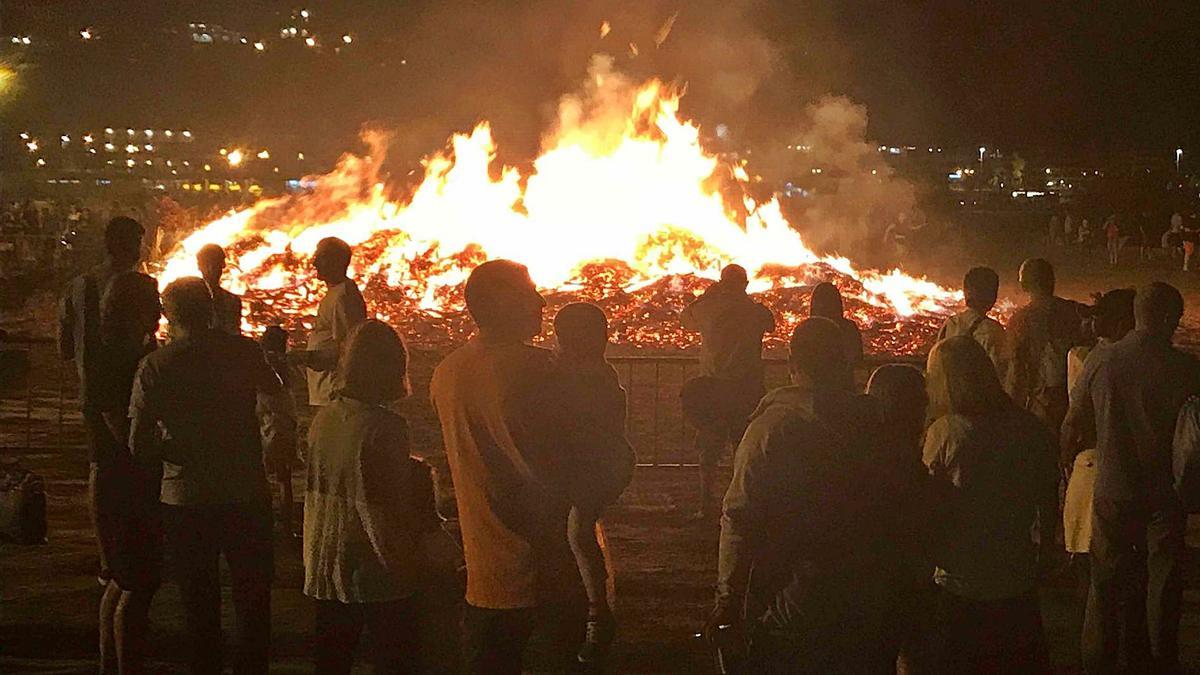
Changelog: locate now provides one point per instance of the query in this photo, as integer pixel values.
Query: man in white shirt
(340, 311)
(981, 286)
(227, 307)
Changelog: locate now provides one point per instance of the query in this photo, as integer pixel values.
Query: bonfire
(624, 207)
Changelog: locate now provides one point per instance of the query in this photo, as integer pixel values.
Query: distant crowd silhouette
(904, 527)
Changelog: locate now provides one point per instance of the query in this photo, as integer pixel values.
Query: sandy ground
(665, 562)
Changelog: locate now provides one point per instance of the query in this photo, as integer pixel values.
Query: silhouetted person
(826, 301)
(340, 311)
(581, 330)
(227, 307)
(808, 562)
(1040, 334)
(193, 417)
(996, 464)
(981, 286)
(731, 326)
(1132, 392)
(107, 322)
(278, 425)
(367, 505)
(901, 392)
(503, 413)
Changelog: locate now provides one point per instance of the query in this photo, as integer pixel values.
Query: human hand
(726, 637)
(722, 622)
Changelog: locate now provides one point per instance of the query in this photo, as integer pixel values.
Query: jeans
(495, 640)
(394, 636)
(719, 410)
(1136, 559)
(590, 547)
(197, 536)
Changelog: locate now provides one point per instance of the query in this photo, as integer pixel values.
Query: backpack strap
(975, 325)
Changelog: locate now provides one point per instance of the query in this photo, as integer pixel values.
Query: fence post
(61, 403)
(29, 397)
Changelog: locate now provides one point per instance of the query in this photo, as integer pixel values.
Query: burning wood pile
(624, 207)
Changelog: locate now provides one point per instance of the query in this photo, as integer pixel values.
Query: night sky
(1050, 75)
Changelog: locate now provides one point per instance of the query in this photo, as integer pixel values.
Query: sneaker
(601, 631)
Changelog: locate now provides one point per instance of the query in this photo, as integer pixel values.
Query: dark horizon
(1021, 75)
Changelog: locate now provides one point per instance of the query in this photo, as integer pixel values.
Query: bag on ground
(22, 507)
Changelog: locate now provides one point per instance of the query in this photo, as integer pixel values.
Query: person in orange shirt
(506, 419)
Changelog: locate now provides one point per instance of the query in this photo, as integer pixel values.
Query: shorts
(128, 528)
(125, 511)
(713, 404)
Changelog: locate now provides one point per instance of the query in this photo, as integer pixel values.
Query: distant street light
(234, 157)
(1178, 156)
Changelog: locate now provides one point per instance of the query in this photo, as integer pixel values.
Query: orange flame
(623, 198)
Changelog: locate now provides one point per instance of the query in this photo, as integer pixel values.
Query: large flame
(623, 206)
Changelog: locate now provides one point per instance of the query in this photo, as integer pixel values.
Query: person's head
(1037, 277)
(375, 364)
(188, 304)
(962, 379)
(123, 241)
(817, 354)
(1158, 308)
(503, 301)
(274, 340)
(582, 330)
(901, 393)
(826, 301)
(211, 261)
(734, 278)
(1112, 316)
(981, 286)
(331, 260)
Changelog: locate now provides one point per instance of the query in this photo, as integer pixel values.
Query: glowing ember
(624, 206)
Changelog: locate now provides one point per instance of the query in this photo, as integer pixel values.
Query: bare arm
(143, 418)
(768, 320)
(1080, 422)
(690, 318)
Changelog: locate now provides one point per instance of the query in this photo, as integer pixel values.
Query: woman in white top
(365, 509)
(1112, 318)
(995, 463)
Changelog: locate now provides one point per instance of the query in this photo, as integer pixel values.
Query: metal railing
(33, 408)
(41, 413)
(655, 422)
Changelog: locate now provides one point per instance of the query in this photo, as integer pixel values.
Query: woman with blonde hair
(996, 464)
(366, 507)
